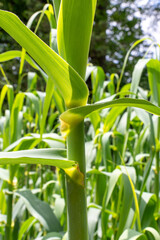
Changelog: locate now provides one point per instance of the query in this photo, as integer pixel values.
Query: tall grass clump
(103, 169)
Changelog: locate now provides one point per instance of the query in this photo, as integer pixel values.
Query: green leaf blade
(152, 232)
(25, 227)
(53, 157)
(74, 36)
(153, 67)
(40, 210)
(68, 81)
(48, 156)
(9, 55)
(75, 115)
(132, 235)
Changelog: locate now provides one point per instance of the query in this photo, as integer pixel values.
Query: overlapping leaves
(67, 80)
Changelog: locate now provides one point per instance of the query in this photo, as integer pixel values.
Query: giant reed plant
(66, 70)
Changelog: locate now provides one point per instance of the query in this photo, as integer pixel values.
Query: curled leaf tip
(75, 174)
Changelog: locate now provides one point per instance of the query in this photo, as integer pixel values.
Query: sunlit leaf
(126, 59)
(47, 101)
(153, 67)
(56, 4)
(16, 117)
(53, 157)
(73, 116)
(26, 226)
(68, 81)
(137, 73)
(74, 30)
(17, 54)
(7, 89)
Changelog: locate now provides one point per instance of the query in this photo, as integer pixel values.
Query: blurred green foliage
(116, 28)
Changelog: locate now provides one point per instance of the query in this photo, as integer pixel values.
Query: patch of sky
(150, 23)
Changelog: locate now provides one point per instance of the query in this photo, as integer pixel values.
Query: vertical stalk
(157, 180)
(157, 168)
(126, 133)
(8, 228)
(76, 194)
(42, 182)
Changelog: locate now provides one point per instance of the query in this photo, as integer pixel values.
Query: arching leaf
(67, 80)
(75, 115)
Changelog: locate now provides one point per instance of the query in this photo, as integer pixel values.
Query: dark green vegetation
(46, 187)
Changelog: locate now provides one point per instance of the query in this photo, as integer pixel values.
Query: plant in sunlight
(64, 66)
